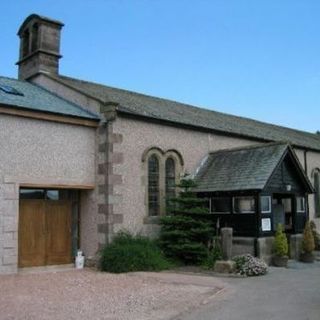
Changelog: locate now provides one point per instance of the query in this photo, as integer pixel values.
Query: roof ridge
(254, 146)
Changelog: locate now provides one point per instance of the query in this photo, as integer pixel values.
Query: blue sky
(258, 59)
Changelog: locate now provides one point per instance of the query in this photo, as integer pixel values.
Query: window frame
(162, 158)
(269, 202)
(303, 202)
(243, 212)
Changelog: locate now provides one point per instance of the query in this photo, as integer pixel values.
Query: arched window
(153, 186)
(316, 180)
(170, 179)
(162, 171)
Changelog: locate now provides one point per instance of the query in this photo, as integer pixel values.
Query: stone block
(116, 158)
(9, 243)
(115, 179)
(10, 224)
(10, 251)
(295, 243)
(8, 269)
(224, 266)
(243, 245)
(114, 199)
(117, 218)
(10, 191)
(9, 260)
(264, 249)
(10, 208)
(226, 243)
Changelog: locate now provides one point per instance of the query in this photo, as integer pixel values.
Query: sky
(257, 59)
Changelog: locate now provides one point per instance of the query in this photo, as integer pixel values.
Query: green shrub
(187, 228)
(132, 253)
(280, 245)
(213, 255)
(315, 234)
(308, 240)
(250, 266)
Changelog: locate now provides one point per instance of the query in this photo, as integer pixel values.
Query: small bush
(213, 255)
(280, 245)
(308, 240)
(132, 253)
(250, 266)
(315, 234)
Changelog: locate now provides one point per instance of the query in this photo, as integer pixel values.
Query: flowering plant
(248, 265)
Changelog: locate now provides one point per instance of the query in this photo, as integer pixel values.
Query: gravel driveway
(93, 295)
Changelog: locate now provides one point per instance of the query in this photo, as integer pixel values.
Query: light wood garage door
(44, 232)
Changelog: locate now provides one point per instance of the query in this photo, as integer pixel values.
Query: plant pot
(307, 257)
(280, 261)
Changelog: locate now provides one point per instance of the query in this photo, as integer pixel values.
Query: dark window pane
(153, 186)
(265, 204)
(32, 194)
(170, 179)
(220, 205)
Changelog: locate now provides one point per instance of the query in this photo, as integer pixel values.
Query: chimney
(39, 46)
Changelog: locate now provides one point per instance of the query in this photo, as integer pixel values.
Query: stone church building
(81, 161)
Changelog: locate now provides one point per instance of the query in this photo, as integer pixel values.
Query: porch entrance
(45, 231)
(283, 211)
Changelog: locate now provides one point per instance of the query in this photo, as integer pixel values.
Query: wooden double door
(44, 232)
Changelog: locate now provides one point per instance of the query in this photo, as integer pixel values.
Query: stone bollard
(226, 243)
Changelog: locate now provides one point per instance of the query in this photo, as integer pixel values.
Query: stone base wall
(295, 246)
(243, 245)
(9, 214)
(264, 249)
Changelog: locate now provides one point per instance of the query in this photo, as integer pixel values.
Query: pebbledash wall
(139, 136)
(43, 153)
(121, 174)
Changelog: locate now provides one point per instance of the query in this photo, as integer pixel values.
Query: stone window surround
(162, 156)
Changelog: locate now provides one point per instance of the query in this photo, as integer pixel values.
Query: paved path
(283, 294)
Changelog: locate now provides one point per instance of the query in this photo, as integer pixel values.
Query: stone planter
(307, 257)
(278, 261)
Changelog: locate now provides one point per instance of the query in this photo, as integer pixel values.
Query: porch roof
(246, 168)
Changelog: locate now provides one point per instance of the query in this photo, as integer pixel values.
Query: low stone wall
(264, 249)
(295, 243)
(243, 245)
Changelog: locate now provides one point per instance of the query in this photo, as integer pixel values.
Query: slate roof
(36, 98)
(246, 168)
(161, 109)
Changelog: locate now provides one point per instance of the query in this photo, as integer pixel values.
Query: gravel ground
(93, 295)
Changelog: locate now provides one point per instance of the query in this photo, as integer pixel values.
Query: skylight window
(10, 90)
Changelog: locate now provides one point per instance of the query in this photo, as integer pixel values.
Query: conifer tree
(186, 230)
